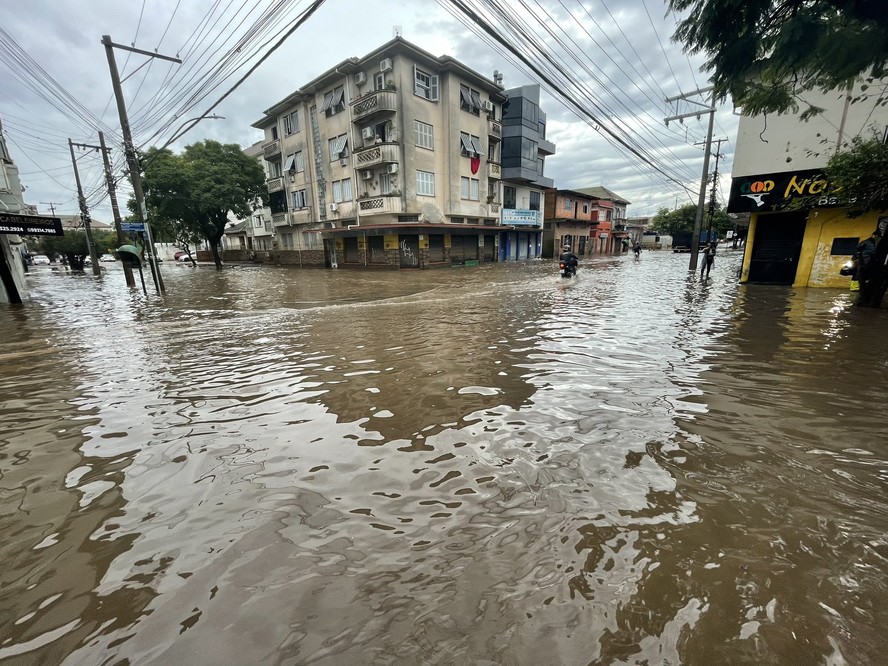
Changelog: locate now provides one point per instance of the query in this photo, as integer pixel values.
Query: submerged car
(40, 260)
(107, 257)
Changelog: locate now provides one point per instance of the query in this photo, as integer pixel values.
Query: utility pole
(52, 205)
(130, 150)
(708, 107)
(84, 215)
(112, 187)
(712, 192)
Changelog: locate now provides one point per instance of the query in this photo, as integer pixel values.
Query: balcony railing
(275, 184)
(494, 210)
(494, 170)
(381, 153)
(375, 102)
(280, 219)
(379, 205)
(494, 130)
(271, 148)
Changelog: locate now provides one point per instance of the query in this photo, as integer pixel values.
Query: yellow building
(778, 163)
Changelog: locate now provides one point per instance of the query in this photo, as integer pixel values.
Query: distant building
(591, 220)
(524, 152)
(391, 160)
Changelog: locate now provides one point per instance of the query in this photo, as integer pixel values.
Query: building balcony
(280, 219)
(378, 101)
(545, 147)
(494, 209)
(494, 170)
(494, 130)
(381, 153)
(271, 149)
(300, 216)
(275, 184)
(384, 205)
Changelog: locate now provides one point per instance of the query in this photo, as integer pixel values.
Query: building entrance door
(776, 247)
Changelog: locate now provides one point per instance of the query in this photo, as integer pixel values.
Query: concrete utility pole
(84, 215)
(712, 192)
(52, 205)
(109, 180)
(708, 107)
(130, 151)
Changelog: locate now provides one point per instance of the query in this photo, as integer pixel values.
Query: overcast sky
(618, 51)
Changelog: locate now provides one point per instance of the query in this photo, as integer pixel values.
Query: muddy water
(471, 466)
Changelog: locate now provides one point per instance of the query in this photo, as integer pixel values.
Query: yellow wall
(816, 267)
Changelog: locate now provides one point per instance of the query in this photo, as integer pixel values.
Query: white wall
(776, 143)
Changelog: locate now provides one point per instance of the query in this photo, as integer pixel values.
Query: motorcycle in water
(568, 270)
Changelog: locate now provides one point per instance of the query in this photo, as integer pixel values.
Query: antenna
(397, 31)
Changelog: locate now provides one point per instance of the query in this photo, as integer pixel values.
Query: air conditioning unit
(366, 174)
(334, 207)
(368, 134)
(393, 168)
(487, 105)
(343, 162)
(360, 78)
(385, 65)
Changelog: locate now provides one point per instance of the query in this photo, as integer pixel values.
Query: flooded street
(471, 466)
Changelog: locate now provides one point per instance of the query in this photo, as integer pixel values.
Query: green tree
(859, 176)
(764, 53)
(682, 219)
(73, 246)
(189, 195)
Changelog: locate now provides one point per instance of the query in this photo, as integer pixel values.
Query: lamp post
(180, 132)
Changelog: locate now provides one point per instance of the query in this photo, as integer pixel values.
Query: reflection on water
(481, 465)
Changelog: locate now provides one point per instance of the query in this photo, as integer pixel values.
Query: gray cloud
(63, 36)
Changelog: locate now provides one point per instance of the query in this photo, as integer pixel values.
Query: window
(299, 200)
(568, 204)
(274, 133)
(534, 200)
(257, 221)
(844, 246)
(290, 164)
(274, 169)
(425, 135)
(492, 152)
(425, 84)
(287, 241)
(385, 183)
(469, 145)
(378, 81)
(510, 196)
(468, 188)
(541, 164)
(334, 101)
(491, 191)
(300, 162)
(469, 100)
(291, 123)
(338, 147)
(425, 184)
(585, 208)
(267, 225)
(342, 190)
(609, 214)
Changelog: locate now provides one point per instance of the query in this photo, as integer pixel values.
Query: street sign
(132, 226)
(30, 225)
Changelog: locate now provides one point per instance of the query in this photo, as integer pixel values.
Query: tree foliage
(188, 196)
(858, 176)
(764, 53)
(74, 247)
(682, 219)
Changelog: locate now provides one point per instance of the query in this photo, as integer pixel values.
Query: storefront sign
(775, 191)
(521, 218)
(390, 241)
(30, 225)
(423, 242)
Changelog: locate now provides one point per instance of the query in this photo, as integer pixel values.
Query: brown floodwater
(471, 466)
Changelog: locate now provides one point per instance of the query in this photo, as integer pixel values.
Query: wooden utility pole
(52, 205)
(84, 215)
(708, 107)
(130, 151)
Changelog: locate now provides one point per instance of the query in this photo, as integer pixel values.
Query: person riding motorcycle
(569, 258)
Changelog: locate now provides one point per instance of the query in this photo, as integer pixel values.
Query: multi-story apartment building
(390, 160)
(524, 150)
(591, 220)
